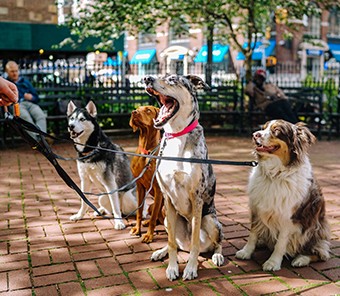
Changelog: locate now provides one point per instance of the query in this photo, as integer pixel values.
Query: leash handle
(16, 109)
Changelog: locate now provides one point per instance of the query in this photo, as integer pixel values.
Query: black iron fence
(118, 89)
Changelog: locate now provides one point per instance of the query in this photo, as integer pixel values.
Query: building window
(179, 36)
(313, 29)
(334, 23)
(146, 40)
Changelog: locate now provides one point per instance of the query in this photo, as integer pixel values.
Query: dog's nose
(257, 135)
(148, 79)
(71, 127)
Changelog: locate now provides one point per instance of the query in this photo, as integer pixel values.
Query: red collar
(143, 151)
(188, 129)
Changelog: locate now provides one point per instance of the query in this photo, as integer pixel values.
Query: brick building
(30, 32)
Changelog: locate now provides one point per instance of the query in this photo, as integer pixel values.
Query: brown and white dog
(149, 137)
(286, 202)
(188, 188)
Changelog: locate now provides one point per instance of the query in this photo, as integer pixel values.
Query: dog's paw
(243, 254)
(271, 265)
(119, 224)
(301, 260)
(172, 272)
(147, 238)
(159, 254)
(190, 272)
(135, 231)
(76, 217)
(217, 259)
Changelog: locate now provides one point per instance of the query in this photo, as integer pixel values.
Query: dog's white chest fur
(94, 171)
(274, 191)
(178, 178)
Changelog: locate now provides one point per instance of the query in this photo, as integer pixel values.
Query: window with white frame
(334, 23)
(313, 29)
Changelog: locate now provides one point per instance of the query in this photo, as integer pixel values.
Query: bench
(334, 117)
(221, 108)
(53, 101)
(307, 102)
(114, 106)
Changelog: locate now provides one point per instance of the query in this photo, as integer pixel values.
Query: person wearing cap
(269, 98)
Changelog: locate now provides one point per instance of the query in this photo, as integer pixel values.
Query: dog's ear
(198, 82)
(304, 134)
(91, 108)
(70, 108)
(134, 127)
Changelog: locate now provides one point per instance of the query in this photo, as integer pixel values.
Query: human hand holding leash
(8, 92)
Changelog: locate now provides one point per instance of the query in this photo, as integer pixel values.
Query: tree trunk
(208, 66)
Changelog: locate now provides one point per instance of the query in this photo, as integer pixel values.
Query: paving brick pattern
(42, 252)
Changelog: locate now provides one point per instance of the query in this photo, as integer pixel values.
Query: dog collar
(188, 129)
(144, 151)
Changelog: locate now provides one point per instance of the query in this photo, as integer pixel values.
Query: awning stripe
(144, 56)
(335, 50)
(219, 52)
(257, 53)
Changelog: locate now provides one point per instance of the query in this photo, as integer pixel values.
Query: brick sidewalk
(44, 253)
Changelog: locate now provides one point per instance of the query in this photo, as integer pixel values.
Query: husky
(106, 170)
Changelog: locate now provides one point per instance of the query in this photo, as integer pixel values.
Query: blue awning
(115, 62)
(335, 50)
(257, 53)
(219, 52)
(144, 56)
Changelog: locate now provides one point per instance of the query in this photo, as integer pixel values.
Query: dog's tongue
(165, 112)
(266, 148)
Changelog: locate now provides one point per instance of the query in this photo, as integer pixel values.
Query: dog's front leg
(172, 271)
(118, 221)
(86, 186)
(115, 205)
(190, 271)
(249, 248)
(274, 261)
(140, 195)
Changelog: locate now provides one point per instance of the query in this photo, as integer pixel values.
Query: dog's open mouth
(74, 135)
(168, 107)
(267, 149)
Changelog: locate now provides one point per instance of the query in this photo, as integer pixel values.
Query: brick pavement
(44, 253)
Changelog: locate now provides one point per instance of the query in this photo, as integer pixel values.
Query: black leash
(31, 127)
(180, 159)
(21, 125)
(17, 123)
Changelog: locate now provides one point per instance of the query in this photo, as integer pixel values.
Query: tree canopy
(227, 21)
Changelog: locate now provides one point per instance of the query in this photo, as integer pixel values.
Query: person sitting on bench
(269, 98)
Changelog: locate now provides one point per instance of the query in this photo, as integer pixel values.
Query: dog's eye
(148, 111)
(82, 119)
(72, 118)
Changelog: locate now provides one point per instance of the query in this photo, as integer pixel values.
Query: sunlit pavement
(44, 253)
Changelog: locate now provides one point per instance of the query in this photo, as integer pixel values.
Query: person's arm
(8, 92)
(249, 90)
(273, 92)
(280, 93)
(30, 93)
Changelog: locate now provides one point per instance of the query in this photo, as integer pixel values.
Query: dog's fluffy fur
(106, 170)
(286, 202)
(149, 138)
(188, 188)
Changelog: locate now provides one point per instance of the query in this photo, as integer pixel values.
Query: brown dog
(149, 137)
